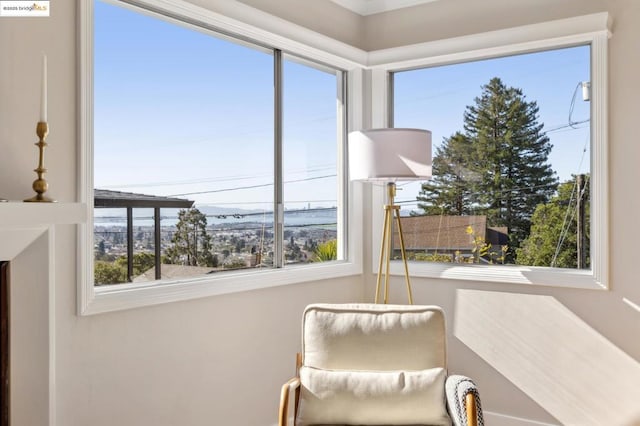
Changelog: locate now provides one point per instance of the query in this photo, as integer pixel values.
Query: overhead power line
(238, 188)
(225, 178)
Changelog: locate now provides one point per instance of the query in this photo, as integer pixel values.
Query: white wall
(211, 361)
(220, 360)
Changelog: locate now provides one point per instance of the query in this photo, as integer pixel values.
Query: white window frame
(93, 300)
(588, 29)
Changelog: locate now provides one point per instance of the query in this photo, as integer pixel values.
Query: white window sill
(127, 296)
(507, 274)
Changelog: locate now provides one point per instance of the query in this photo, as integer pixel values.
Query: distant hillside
(228, 211)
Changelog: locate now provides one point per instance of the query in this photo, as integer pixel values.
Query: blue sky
(435, 99)
(178, 111)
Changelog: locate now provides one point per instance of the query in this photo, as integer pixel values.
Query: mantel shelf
(16, 214)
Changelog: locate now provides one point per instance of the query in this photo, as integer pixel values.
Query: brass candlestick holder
(40, 185)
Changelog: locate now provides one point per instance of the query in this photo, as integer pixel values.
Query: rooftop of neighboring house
(448, 232)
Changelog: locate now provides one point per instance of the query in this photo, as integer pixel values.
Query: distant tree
(294, 252)
(310, 244)
(240, 245)
(191, 244)
(109, 273)
(553, 238)
(142, 262)
(117, 237)
(101, 253)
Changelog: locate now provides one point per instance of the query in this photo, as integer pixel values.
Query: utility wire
(248, 187)
(318, 168)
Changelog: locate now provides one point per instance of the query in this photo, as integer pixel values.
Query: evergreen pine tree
(512, 155)
(450, 189)
(191, 244)
(497, 167)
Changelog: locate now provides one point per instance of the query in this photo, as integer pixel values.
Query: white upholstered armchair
(366, 364)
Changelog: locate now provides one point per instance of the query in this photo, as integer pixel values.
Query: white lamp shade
(390, 154)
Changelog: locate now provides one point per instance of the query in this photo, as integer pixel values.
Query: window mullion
(278, 192)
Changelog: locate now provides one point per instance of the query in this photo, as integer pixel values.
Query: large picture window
(511, 159)
(185, 118)
(212, 155)
(519, 121)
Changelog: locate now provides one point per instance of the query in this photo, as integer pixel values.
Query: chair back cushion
(373, 337)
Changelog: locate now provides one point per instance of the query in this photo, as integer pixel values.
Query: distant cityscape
(238, 239)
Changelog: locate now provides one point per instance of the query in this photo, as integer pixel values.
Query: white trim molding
(16, 239)
(258, 27)
(371, 7)
(526, 39)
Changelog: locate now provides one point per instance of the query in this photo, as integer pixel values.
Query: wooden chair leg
(472, 410)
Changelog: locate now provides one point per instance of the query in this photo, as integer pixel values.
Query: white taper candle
(43, 95)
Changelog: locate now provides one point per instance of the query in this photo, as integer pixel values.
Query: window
(180, 114)
(203, 169)
(309, 157)
(538, 102)
(511, 150)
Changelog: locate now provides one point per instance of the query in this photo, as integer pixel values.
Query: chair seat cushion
(372, 397)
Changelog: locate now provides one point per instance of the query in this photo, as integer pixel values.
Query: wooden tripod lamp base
(386, 248)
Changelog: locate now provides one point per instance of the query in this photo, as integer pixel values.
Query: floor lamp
(390, 155)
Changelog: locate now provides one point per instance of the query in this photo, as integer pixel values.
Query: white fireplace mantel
(16, 213)
(27, 233)
(21, 223)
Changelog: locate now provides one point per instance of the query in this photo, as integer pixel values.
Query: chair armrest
(291, 386)
(463, 401)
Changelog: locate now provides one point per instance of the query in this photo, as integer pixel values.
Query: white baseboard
(497, 419)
